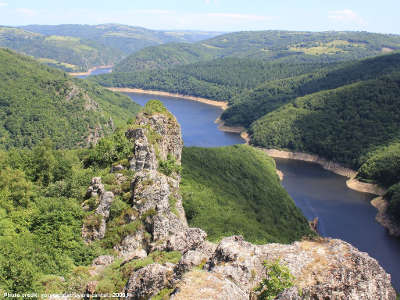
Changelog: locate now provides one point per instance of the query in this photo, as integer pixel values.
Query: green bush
(278, 279)
(169, 166)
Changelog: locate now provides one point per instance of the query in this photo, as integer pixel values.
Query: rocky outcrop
(323, 269)
(149, 280)
(94, 227)
(326, 269)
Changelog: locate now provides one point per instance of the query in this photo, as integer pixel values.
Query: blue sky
(217, 15)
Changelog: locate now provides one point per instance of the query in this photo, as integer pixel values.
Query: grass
(235, 190)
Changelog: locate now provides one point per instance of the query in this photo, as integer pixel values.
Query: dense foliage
(221, 79)
(127, 39)
(235, 190)
(382, 165)
(283, 46)
(38, 102)
(278, 278)
(40, 216)
(68, 53)
(393, 197)
(265, 98)
(342, 124)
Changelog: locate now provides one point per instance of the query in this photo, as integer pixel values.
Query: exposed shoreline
(336, 168)
(352, 182)
(89, 71)
(221, 104)
(382, 218)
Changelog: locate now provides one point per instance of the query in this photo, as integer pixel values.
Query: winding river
(342, 213)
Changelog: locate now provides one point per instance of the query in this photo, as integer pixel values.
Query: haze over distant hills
(283, 46)
(81, 47)
(126, 38)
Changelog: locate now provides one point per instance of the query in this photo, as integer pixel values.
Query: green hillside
(283, 46)
(43, 207)
(253, 104)
(127, 39)
(357, 125)
(38, 102)
(65, 52)
(235, 190)
(221, 79)
(342, 124)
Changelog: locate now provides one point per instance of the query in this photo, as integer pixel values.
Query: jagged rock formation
(96, 227)
(323, 269)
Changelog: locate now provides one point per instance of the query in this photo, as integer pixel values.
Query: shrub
(278, 279)
(169, 166)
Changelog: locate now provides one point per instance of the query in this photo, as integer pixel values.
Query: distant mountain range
(126, 38)
(80, 47)
(282, 46)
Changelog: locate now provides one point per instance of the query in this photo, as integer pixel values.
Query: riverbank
(221, 104)
(89, 71)
(336, 168)
(381, 205)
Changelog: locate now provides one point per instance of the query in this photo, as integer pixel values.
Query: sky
(210, 15)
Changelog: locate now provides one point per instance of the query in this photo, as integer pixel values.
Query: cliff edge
(232, 269)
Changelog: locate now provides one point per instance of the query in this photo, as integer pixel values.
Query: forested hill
(283, 46)
(357, 125)
(221, 79)
(68, 53)
(38, 102)
(251, 105)
(127, 39)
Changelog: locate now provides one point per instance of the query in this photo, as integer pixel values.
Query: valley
(200, 151)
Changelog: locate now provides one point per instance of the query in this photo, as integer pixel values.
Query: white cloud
(3, 4)
(347, 16)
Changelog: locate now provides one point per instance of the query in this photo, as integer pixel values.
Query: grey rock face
(96, 229)
(117, 168)
(133, 246)
(149, 280)
(207, 286)
(96, 188)
(103, 260)
(170, 131)
(331, 269)
(144, 153)
(324, 269)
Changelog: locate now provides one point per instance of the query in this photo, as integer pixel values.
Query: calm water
(342, 213)
(197, 121)
(97, 72)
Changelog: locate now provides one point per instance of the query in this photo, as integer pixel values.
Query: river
(343, 213)
(97, 71)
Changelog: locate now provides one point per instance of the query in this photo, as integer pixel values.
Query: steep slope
(283, 46)
(65, 52)
(127, 39)
(342, 124)
(220, 79)
(38, 102)
(136, 235)
(251, 105)
(235, 190)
